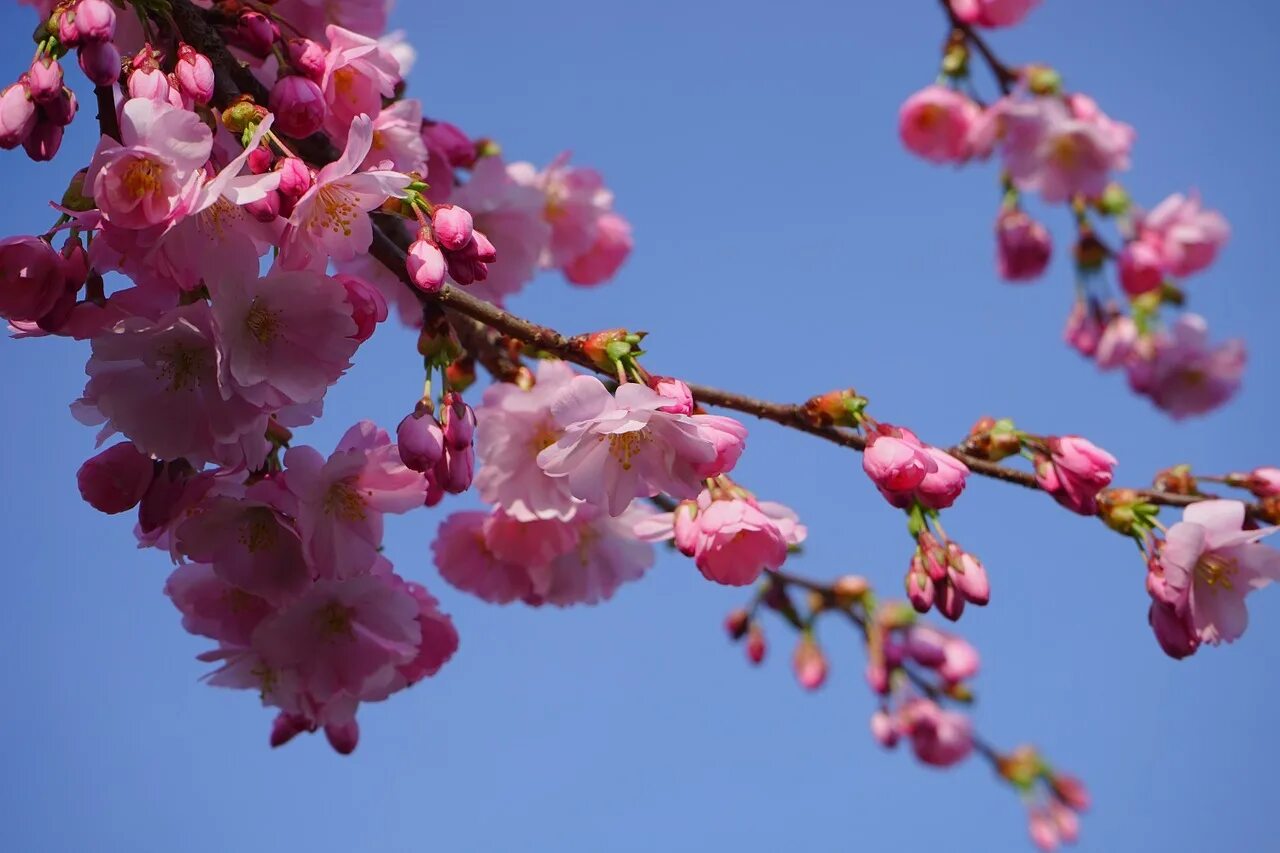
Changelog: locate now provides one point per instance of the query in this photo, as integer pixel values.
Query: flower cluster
(1062, 147)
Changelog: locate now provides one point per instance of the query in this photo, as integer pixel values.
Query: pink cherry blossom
(283, 338)
(342, 499)
(248, 540)
(1084, 327)
(1186, 236)
(1264, 482)
(358, 73)
(1051, 149)
(617, 447)
(514, 425)
(397, 138)
(992, 13)
(157, 383)
(1141, 267)
(1183, 373)
(1211, 564)
(938, 737)
(1075, 472)
(115, 480)
(736, 542)
(507, 206)
(809, 663)
(298, 105)
(331, 220)
(144, 180)
(601, 260)
(935, 123)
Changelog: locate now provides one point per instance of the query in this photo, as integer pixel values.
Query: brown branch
(1006, 77)
(472, 315)
(108, 121)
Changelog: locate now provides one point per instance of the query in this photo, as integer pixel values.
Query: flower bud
(64, 25)
(452, 144)
(1141, 268)
(43, 142)
(44, 79)
(100, 62)
(61, 110)
(1264, 482)
(755, 643)
(420, 441)
(265, 209)
(75, 263)
(17, 115)
(968, 575)
(850, 588)
(115, 480)
(1023, 246)
(95, 21)
(949, 601)
(736, 624)
(255, 33)
(894, 464)
(195, 74)
(456, 470)
(298, 105)
(1043, 831)
(288, 726)
(1178, 480)
(685, 527)
(343, 737)
(459, 422)
(426, 264)
(295, 177)
(674, 390)
(920, 588)
(836, 408)
(368, 305)
(809, 663)
(453, 227)
(151, 84)
(883, 729)
(1071, 791)
(307, 57)
(242, 114)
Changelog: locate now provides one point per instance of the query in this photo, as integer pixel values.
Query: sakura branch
(1061, 146)
(234, 132)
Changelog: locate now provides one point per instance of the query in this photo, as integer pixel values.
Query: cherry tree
(266, 193)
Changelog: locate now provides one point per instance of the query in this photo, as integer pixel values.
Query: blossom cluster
(1061, 146)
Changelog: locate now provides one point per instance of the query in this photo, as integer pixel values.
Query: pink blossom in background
(342, 499)
(513, 427)
(466, 561)
(1210, 564)
(606, 254)
(935, 123)
(938, 737)
(1183, 373)
(616, 447)
(1186, 237)
(1050, 149)
(992, 13)
(508, 207)
(397, 138)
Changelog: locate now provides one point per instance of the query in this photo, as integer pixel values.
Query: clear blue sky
(635, 726)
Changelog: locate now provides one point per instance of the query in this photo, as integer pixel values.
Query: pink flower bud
(456, 470)
(894, 463)
(920, 588)
(1023, 246)
(685, 526)
(599, 263)
(736, 624)
(934, 123)
(968, 575)
(1141, 268)
(95, 21)
(426, 264)
(44, 79)
(736, 541)
(115, 480)
(68, 33)
(75, 263)
(255, 33)
(43, 142)
(307, 57)
(728, 436)
(195, 74)
(482, 248)
(1174, 631)
(940, 487)
(453, 227)
(298, 105)
(151, 84)
(1075, 473)
(755, 643)
(368, 305)
(343, 737)
(452, 144)
(61, 110)
(420, 441)
(877, 676)
(674, 390)
(458, 421)
(1043, 831)
(1265, 482)
(17, 115)
(265, 209)
(949, 601)
(1071, 791)
(295, 177)
(1084, 327)
(1066, 821)
(261, 160)
(884, 730)
(32, 278)
(809, 663)
(288, 726)
(1119, 337)
(100, 62)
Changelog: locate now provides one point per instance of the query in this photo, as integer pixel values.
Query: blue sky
(785, 246)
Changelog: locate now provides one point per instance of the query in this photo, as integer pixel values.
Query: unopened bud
(736, 624)
(836, 408)
(1177, 481)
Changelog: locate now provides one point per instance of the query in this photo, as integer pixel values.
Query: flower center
(218, 217)
(1065, 151)
(929, 117)
(625, 446)
(344, 501)
(267, 679)
(335, 211)
(142, 177)
(335, 620)
(261, 322)
(544, 437)
(259, 531)
(1216, 571)
(180, 366)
